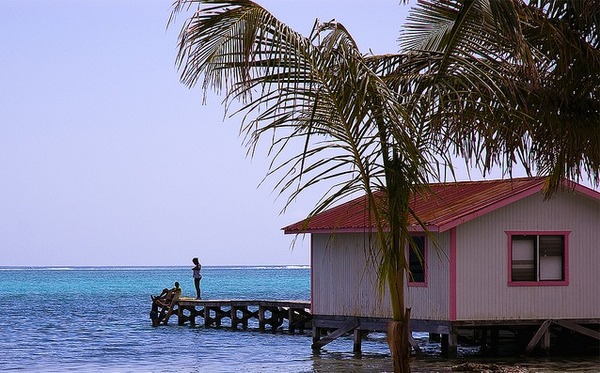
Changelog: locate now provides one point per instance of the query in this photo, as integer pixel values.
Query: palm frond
(517, 83)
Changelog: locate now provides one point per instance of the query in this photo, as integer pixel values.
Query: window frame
(410, 282)
(565, 263)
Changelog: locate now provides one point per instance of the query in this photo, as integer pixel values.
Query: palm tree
(532, 92)
(323, 94)
(380, 123)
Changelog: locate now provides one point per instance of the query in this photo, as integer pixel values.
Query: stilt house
(500, 257)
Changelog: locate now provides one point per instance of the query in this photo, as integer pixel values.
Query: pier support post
(434, 338)
(193, 315)
(453, 343)
(206, 316)
(483, 348)
(495, 341)
(291, 320)
(180, 316)
(357, 338)
(546, 342)
(316, 337)
(450, 344)
(444, 343)
(261, 317)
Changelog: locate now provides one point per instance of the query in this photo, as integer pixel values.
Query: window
(416, 261)
(538, 258)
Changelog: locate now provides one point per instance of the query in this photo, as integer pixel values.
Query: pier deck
(293, 315)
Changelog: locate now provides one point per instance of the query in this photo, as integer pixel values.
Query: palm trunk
(394, 259)
(398, 341)
(398, 329)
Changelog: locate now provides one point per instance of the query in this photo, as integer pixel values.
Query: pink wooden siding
(482, 268)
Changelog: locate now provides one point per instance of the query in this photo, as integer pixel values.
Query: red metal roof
(445, 206)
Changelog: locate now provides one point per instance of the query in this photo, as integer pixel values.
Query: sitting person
(167, 295)
(162, 305)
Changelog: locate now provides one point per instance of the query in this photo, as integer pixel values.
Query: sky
(107, 159)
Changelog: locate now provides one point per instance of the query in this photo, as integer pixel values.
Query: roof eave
(415, 228)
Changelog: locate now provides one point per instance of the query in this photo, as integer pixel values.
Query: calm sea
(96, 319)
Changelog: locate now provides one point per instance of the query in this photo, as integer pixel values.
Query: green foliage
(496, 82)
(319, 93)
(513, 82)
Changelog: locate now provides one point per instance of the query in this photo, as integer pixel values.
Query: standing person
(197, 276)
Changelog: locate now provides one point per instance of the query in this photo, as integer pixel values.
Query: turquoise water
(97, 319)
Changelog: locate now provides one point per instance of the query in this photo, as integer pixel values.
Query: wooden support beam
(483, 341)
(207, 318)
(495, 341)
(290, 317)
(246, 315)
(453, 343)
(192, 318)
(578, 328)
(298, 319)
(434, 337)
(357, 339)
(181, 317)
(537, 336)
(546, 341)
(350, 325)
(316, 334)
(444, 343)
(450, 344)
(261, 317)
(275, 320)
(414, 345)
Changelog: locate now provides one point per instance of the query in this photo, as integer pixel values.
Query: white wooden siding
(432, 302)
(344, 280)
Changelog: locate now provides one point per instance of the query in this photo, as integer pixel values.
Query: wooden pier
(295, 316)
(271, 315)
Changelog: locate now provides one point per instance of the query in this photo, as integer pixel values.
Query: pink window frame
(564, 282)
(425, 276)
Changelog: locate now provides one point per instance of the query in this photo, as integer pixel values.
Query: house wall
(482, 290)
(431, 302)
(344, 279)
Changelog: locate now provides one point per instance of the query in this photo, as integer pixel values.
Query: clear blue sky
(106, 159)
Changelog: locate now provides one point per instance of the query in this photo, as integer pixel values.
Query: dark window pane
(416, 260)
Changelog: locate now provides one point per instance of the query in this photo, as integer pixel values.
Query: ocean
(87, 319)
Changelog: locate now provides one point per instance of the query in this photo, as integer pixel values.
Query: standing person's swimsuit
(197, 277)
